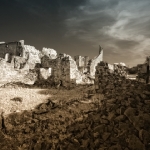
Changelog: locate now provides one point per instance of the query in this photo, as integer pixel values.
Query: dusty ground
(25, 127)
(31, 97)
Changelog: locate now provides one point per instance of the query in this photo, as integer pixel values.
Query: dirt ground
(79, 118)
(32, 97)
(25, 115)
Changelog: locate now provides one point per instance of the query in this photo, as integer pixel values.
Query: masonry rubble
(125, 109)
(120, 122)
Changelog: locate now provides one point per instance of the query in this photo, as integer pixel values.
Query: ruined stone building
(87, 65)
(58, 68)
(10, 49)
(63, 69)
(22, 58)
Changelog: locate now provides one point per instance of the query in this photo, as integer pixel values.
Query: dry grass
(18, 99)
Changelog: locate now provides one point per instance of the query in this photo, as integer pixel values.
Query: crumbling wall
(32, 55)
(64, 68)
(94, 62)
(18, 62)
(60, 68)
(105, 78)
(10, 74)
(79, 61)
(24, 58)
(10, 49)
(75, 74)
(82, 63)
(51, 53)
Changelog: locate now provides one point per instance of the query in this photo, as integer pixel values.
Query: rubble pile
(119, 121)
(108, 79)
(124, 114)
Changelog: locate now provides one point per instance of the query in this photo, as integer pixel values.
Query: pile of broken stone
(121, 122)
(124, 113)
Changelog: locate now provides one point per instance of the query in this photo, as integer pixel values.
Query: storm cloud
(79, 27)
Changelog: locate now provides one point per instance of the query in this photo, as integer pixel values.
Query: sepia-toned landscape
(52, 101)
(74, 75)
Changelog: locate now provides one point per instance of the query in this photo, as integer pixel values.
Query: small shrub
(16, 99)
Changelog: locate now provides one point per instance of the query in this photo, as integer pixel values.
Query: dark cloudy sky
(121, 27)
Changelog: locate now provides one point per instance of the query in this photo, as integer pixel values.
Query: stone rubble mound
(119, 121)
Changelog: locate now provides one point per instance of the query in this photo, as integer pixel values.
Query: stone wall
(18, 62)
(105, 78)
(60, 68)
(93, 63)
(64, 68)
(125, 107)
(23, 58)
(32, 55)
(49, 52)
(10, 49)
(19, 74)
(81, 61)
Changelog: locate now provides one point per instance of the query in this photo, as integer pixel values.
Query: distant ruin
(22, 61)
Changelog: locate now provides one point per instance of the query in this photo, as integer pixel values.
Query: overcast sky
(121, 27)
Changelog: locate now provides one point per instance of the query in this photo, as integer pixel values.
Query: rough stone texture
(45, 73)
(18, 74)
(81, 61)
(124, 107)
(10, 49)
(75, 74)
(51, 53)
(64, 68)
(60, 68)
(23, 58)
(32, 55)
(18, 62)
(118, 121)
